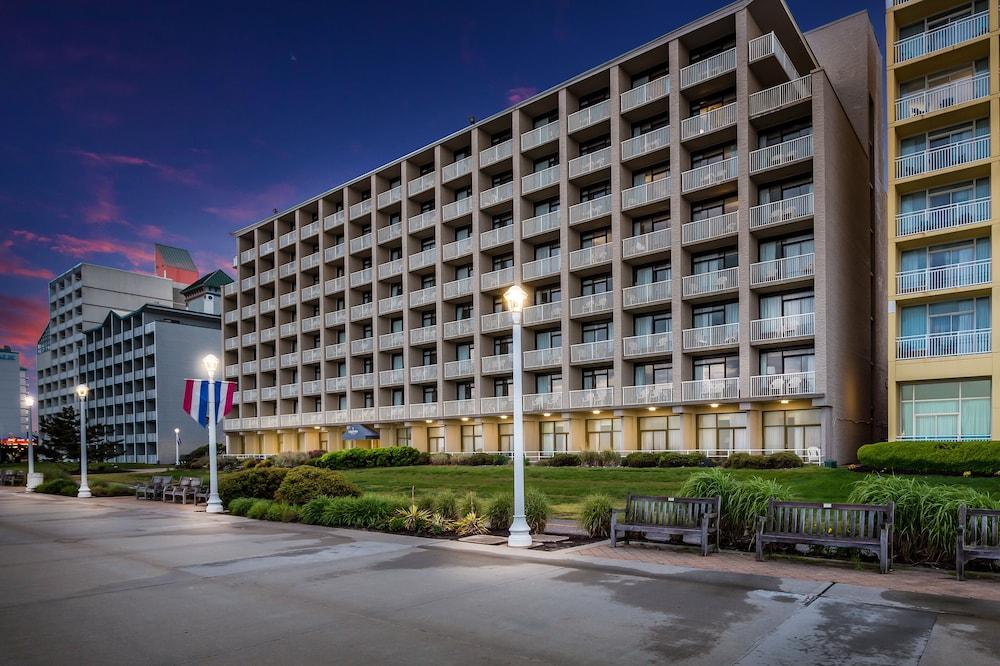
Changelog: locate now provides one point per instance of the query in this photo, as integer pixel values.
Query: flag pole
(214, 503)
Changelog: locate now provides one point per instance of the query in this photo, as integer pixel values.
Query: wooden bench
(836, 525)
(153, 489)
(978, 537)
(668, 516)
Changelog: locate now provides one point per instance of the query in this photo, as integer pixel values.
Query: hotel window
(706, 105)
(944, 266)
(472, 438)
(722, 432)
(366, 365)
(646, 225)
(599, 284)
(550, 382)
(503, 345)
(546, 250)
(942, 318)
(952, 15)
(396, 361)
(713, 155)
(463, 232)
(503, 261)
(502, 386)
(945, 410)
(652, 174)
(645, 374)
(714, 208)
(499, 305)
(603, 434)
(396, 397)
(660, 433)
(545, 162)
(430, 394)
(396, 289)
(647, 126)
(435, 438)
(545, 295)
(786, 190)
(461, 154)
(463, 271)
(651, 74)
(428, 318)
(788, 361)
(428, 356)
(505, 436)
(593, 98)
(716, 367)
(465, 390)
(549, 206)
(369, 399)
(427, 281)
(650, 273)
(502, 220)
(502, 179)
(595, 191)
(787, 305)
(464, 351)
(463, 193)
(366, 331)
(650, 324)
(395, 253)
(784, 133)
(597, 378)
(548, 339)
(396, 325)
(787, 247)
(463, 311)
(427, 244)
(597, 331)
(718, 260)
(428, 206)
(500, 137)
(595, 145)
(543, 120)
(952, 203)
(403, 436)
(595, 237)
(553, 436)
(794, 429)
(715, 314)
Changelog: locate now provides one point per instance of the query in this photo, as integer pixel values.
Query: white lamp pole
(214, 503)
(81, 392)
(32, 481)
(177, 447)
(520, 533)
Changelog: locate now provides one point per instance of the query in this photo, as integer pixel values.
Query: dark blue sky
(129, 123)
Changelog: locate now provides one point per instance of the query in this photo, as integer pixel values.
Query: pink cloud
(250, 208)
(139, 255)
(104, 209)
(14, 265)
(520, 93)
(23, 322)
(165, 171)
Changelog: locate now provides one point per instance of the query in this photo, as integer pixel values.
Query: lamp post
(214, 505)
(81, 392)
(520, 533)
(177, 447)
(32, 481)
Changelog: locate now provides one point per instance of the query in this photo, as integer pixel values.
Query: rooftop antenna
(472, 120)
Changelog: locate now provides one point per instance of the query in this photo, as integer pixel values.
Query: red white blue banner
(196, 399)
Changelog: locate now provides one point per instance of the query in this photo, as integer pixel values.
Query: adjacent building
(13, 390)
(699, 224)
(943, 108)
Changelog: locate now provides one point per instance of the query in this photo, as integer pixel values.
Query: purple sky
(129, 123)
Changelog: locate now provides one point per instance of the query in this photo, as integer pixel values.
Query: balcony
(314, 355)
(943, 97)
(392, 413)
(309, 261)
(647, 294)
(333, 220)
(427, 219)
(458, 288)
(335, 318)
(591, 304)
(711, 228)
(456, 209)
(497, 365)
(232, 370)
(945, 157)
(249, 339)
(496, 153)
(390, 269)
(423, 335)
(363, 346)
(540, 179)
(496, 237)
(706, 337)
(648, 394)
(780, 96)
(646, 93)
(541, 268)
(654, 344)
(336, 384)
(361, 243)
(422, 259)
(709, 68)
(331, 254)
(335, 351)
(776, 329)
(246, 256)
(288, 300)
(957, 343)
(364, 276)
(589, 352)
(496, 195)
(544, 402)
(426, 410)
(953, 276)
(779, 386)
(540, 136)
(390, 233)
(310, 293)
(542, 358)
(497, 279)
(268, 364)
(590, 210)
(496, 405)
(540, 224)
(269, 393)
(591, 398)
(363, 381)
(941, 38)
(782, 270)
(706, 123)
(588, 257)
(284, 240)
(362, 311)
(459, 328)
(589, 163)
(310, 324)
(463, 368)
(654, 241)
(543, 313)
(361, 414)
(456, 169)
(944, 217)
(647, 193)
(393, 340)
(338, 416)
(710, 175)
(289, 360)
(360, 209)
(496, 321)
(286, 270)
(421, 184)
(711, 389)
(393, 377)
(313, 387)
(767, 46)
(589, 116)
(457, 249)
(267, 277)
(646, 143)
(249, 311)
(712, 282)
(249, 367)
(782, 211)
(467, 407)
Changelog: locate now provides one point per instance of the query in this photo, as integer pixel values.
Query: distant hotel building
(699, 223)
(13, 389)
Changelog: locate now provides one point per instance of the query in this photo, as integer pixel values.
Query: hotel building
(943, 108)
(698, 224)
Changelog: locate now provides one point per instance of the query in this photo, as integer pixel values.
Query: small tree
(60, 438)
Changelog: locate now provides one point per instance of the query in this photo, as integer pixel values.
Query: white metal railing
(944, 217)
(727, 388)
(286, 269)
(791, 383)
(392, 412)
(333, 253)
(363, 346)
(391, 232)
(310, 324)
(496, 195)
(540, 135)
(769, 45)
(711, 282)
(540, 268)
(646, 294)
(539, 179)
(772, 99)
(539, 224)
(494, 154)
(423, 258)
(589, 210)
(782, 211)
(335, 350)
(420, 184)
(497, 279)
(269, 393)
(427, 219)
(423, 335)
(496, 405)
(268, 364)
(654, 241)
(311, 292)
(249, 339)
(495, 237)
(338, 416)
(782, 328)
(333, 220)
(335, 318)
(461, 368)
(360, 208)
(590, 398)
(359, 414)
(708, 68)
(362, 311)
(289, 299)
(289, 359)
(497, 364)
(459, 327)
(647, 193)
(314, 355)
(543, 313)
(249, 310)
(390, 269)
(956, 343)
(391, 340)
(266, 277)
(786, 152)
(710, 174)
(590, 256)
(467, 407)
(390, 197)
(455, 209)
(312, 387)
(711, 121)
(392, 377)
(496, 321)
(944, 96)
(645, 143)
(542, 402)
(541, 358)
(648, 394)
(363, 380)
(426, 410)
(712, 336)
(944, 157)
(963, 274)
(457, 288)
(584, 164)
(455, 169)
(779, 270)
(601, 350)
(267, 247)
(364, 276)
(336, 384)
(645, 93)
(284, 240)
(591, 304)
(653, 344)
(456, 249)
(591, 115)
(941, 38)
(711, 228)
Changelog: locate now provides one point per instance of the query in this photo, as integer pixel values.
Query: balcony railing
(335, 318)
(290, 359)
(654, 344)
(542, 358)
(456, 209)
(539, 224)
(310, 324)
(390, 233)
(362, 311)
(539, 179)
(268, 364)
(786, 152)
(462, 368)
(544, 402)
(654, 241)
(494, 154)
(964, 274)
(944, 37)
(727, 388)
(590, 256)
(496, 195)
(782, 211)
(496, 405)
(336, 384)
(647, 294)
(284, 240)
(591, 115)
(647, 193)
(712, 336)
(362, 414)
(711, 228)
(459, 328)
(958, 343)
(711, 121)
(421, 184)
(944, 217)
(602, 350)
(711, 282)
(333, 253)
(648, 394)
(458, 288)
(392, 413)
(360, 208)
(392, 377)
(424, 258)
(710, 174)
(423, 335)
(468, 407)
(945, 157)
(543, 313)
(590, 398)
(540, 135)
(455, 169)
(709, 68)
(363, 346)
(782, 328)
(768, 45)
(456, 249)
(540, 268)
(496, 237)
(390, 197)
(390, 269)
(497, 279)
(425, 410)
(424, 373)
(392, 340)
(646, 143)
(590, 210)
(498, 364)
(779, 270)
(335, 351)
(591, 304)
(333, 220)
(772, 99)
(496, 321)
(584, 164)
(791, 383)
(364, 276)
(943, 97)
(426, 219)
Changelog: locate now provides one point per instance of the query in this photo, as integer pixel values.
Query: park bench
(668, 516)
(202, 493)
(176, 489)
(189, 491)
(10, 477)
(834, 525)
(978, 537)
(152, 489)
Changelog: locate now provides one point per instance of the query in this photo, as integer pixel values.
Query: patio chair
(201, 493)
(813, 456)
(175, 490)
(143, 490)
(191, 490)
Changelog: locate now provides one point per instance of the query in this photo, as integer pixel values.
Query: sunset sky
(124, 124)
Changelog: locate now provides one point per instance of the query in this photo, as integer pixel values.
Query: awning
(356, 431)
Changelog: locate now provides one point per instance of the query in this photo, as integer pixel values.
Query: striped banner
(196, 399)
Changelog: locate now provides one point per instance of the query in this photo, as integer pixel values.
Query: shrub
(367, 511)
(305, 483)
(610, 458)
(499, 511)
(469, 503)
(258, 510)
(595, 515)
(290, 459)
(240, 505)
(563, 460)
(390, 456)
(743, 500)
(440, 459)
(932, 457)
(229, 463)
(481, 458)
(102, 488)
(440, 524)
(745, 461)
(260, 483)
(446, 504)
(783, 460)
(536, 509)
(282, 513)
(675, 459)
(410, 519)
(471, 524)
(590, 458)
(641, 459)
(65, 487)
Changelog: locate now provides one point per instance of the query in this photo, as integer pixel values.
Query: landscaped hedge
(98, 488)
(261, 483)
(390, 456)
(304, 484)
(932, 457)
(665, 459)
(781, 460)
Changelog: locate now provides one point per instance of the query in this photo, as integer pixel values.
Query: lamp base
(214, 505)
(520, 533)
(34, 480)
(84, 492)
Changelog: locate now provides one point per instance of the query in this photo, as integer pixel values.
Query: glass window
(722, 432)
(604, 434)
(551, 382)
(505, 435)
(472, 438)
(945, 410)
(435, 438)
(795, 430)
(553, 436)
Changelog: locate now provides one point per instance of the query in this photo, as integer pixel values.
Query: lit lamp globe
(515, 298)
(34, 480)
(211, 363)
(81, 391)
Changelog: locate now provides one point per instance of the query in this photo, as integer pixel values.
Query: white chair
(813, 456)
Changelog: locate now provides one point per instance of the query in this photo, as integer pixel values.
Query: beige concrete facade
(711, 195)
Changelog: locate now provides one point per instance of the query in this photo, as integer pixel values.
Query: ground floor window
(505, 433)
(660, 433)
(945, 410)
(722, 432)
(472, 438)
(603, 434)
(553, 436)
(435, 439)
(403, 437)
(792, 429)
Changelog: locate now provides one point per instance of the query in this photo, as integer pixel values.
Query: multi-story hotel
(13, 390)
(943, 106)
(698, 224)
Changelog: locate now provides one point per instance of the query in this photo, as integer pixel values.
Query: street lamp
(214, 505)
(81, 392)
(33, 481)
(177, 447)
(520, 533)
